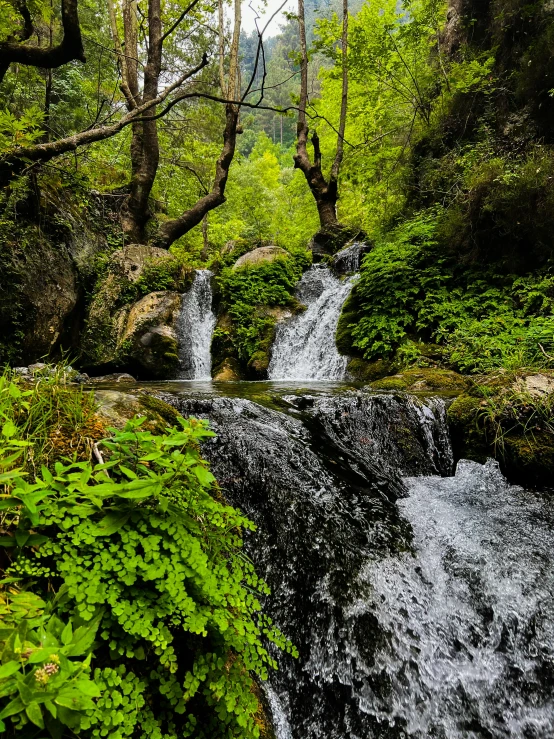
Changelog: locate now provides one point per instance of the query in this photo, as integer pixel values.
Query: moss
(529, 459)
(228, 370)
(364, 371)
(469, 439)
(424, 379)
(348, 318)
(390, 383)
(163, 409)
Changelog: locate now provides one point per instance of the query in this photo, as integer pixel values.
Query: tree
(144, 110)
(69, 48)
(325, 191)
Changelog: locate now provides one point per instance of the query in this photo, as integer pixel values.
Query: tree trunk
(325, 192)
(145, 150)
(170, 231)
(70, 48)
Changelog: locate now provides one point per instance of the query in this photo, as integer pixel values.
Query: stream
(420, 593)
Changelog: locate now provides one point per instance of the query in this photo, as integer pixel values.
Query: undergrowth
(245, 292)
(411, 289)
(128, 608)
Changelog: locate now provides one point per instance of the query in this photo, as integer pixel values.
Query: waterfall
(194, 329)
(421, 606)
(304, 347)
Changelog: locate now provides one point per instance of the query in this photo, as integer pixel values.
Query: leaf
(111, 523)
(13, 707)
(204, 475)
(67, 634)
(8, 669)
(88, 687)
(83, 638)
(7, 541)
(34, 713)
(21, 537)
(9, 429)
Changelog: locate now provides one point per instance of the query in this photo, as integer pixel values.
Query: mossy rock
(364, 371)
(469, 440)
(529, 459)
(258, 364)
(438, 381)
(228, 370)
(348, 318)
(116, 408)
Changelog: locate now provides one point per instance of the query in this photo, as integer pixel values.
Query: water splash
(304, 347)
(194, 329)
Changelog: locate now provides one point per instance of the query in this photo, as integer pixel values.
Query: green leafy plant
(147, 557)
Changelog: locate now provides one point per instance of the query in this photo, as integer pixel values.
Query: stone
(537, 386)
(115, 408)
(228, 371)
(119, 377)
(149, 336)
(111, 313)
(348, 260)
(424, 380)
(260, 255)
(129, 261)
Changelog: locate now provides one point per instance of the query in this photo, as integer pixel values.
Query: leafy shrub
(245, 291)
(144, 556)
(410, 289)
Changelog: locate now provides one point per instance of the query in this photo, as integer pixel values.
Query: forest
(353, 193)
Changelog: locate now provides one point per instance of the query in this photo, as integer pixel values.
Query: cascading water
(421, 606)
(304, 347)
(194, 329)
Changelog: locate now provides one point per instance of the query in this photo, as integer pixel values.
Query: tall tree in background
(143, 103)
(325, 191)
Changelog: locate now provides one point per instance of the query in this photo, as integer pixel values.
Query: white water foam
(195, 327)
(304, 347)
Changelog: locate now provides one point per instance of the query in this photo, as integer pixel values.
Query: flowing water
(422, 602)
(304, 347)
(194, 329)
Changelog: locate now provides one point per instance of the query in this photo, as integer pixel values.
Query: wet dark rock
(115, 377)
(320, 478)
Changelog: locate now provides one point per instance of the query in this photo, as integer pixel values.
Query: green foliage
(50, 419)
(246, 291)
(22, 130)
(410, 289)
(143, 556)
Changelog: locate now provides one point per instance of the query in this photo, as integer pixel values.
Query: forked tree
(324, 189)
(145, 104)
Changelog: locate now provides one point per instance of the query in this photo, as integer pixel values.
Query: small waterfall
(304, 347)
(194, 329)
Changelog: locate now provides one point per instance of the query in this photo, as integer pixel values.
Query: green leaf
(8, 669)
(204, 475)
(110, 524)
(21, 537)
(67, 634)
(9, 429)
(34, 713)
(13, 707)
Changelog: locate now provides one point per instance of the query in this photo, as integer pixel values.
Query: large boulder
(507, 415)
(39, 290)
(149, 338)
(125, 332)
(260, 255)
